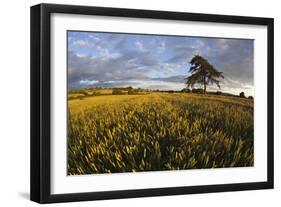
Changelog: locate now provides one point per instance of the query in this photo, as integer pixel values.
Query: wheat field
(158, 131)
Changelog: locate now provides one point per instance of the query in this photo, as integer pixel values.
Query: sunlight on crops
(158, 131)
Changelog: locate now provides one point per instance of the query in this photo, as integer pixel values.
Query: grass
(158, 131)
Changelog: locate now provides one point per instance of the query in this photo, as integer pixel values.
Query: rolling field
(158, 131)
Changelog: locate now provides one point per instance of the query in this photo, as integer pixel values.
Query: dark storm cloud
(121, 67)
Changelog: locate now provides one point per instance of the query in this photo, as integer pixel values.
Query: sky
(97, 59)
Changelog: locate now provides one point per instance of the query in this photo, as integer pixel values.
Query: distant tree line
(201, 91)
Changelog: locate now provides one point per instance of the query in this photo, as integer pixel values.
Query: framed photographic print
(132, 103)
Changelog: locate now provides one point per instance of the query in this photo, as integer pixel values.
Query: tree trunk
(205, 84)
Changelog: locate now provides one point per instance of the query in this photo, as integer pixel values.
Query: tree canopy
(202, 72)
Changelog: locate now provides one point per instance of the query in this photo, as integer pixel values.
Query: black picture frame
(41, 96)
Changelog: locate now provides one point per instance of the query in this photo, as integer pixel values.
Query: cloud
(140, 46)
(172, 79)
(102, 69)
(235, 59)
(110, 59)
(80, 43)
(162, 47)
(88, 82)
(182, 53)
(94, 37)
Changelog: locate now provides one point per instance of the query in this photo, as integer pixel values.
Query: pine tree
(202, 72)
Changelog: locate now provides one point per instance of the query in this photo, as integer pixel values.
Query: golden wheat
(158, 131)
